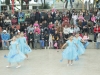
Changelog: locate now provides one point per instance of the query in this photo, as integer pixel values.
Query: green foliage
(45, 6)
(7, 2)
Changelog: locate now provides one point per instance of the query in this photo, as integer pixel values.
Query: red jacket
(81, 35)
(65, 18)
(65, 23)
(96, 30)
(14, 21)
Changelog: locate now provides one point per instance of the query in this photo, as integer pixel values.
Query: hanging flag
(13, 6)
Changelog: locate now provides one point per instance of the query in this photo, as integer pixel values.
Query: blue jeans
(86, 44)
(42, 43)
(97, 45)
(95, 36)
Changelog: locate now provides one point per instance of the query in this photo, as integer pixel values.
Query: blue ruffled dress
(70, 51)
(24, 48)
(14, 54)
(80, 48)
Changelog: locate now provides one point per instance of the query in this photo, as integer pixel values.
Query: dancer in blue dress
(78, 41)
(17, 38)
(24, 48)
(70, 52)
(14, 55)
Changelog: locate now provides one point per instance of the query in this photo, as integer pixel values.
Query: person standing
(31, 39)
(36, 39)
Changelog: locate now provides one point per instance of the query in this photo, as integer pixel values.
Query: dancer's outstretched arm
(63, 45)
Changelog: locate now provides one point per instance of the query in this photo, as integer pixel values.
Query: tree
(7, 2)
(42, 3)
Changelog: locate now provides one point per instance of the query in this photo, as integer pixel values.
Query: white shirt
(76, 29)
(75, 17)
(66, 30)
(71, 30)
(30, 29)
(50, 38)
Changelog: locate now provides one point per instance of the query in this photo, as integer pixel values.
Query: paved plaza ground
(47, 62)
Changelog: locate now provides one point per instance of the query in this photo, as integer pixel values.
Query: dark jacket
(28, 20)
(36, 37)
(57, 18)
(42, 19)
(37, 16)
(49, 20)
(30, 36)
(22, 28)
(41, 36)
(52, 31)
(46, 37)
(45, 25)
(1, 22)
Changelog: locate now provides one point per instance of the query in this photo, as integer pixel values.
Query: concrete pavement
(47, 62)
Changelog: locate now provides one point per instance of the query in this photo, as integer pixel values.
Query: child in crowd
(85, 39)
(50, 41)
(42, 40)
(46, 40)
(36, 24)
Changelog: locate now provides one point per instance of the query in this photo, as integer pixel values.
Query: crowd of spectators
(51, 28)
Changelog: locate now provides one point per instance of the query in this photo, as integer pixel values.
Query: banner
(12, 6)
